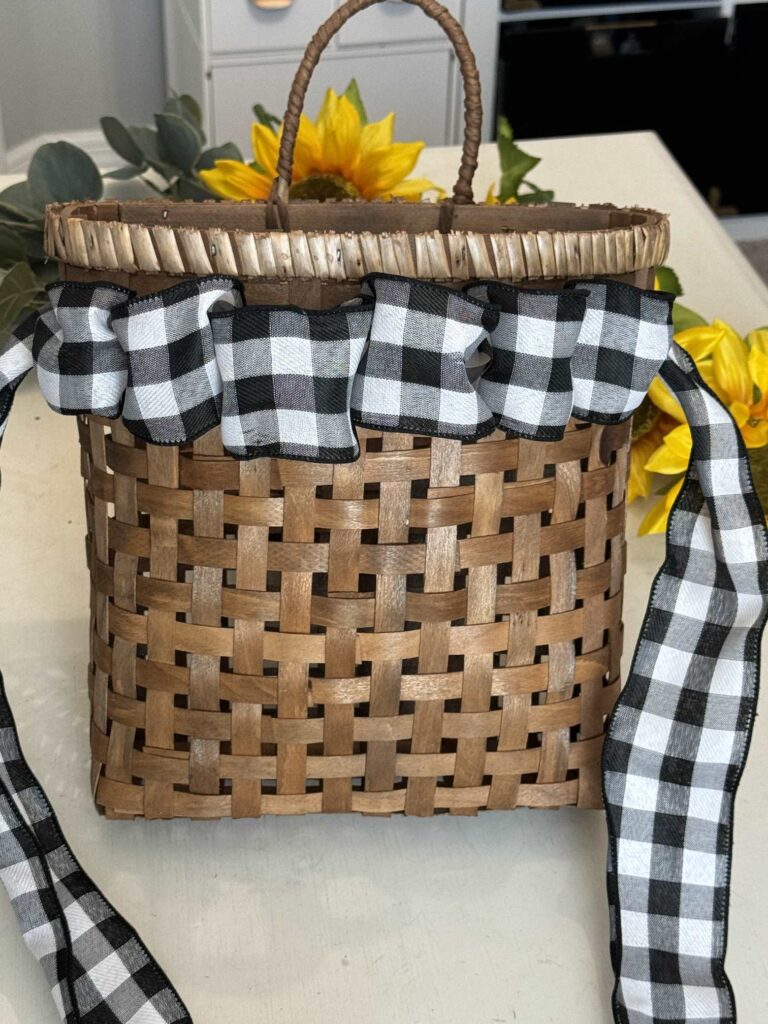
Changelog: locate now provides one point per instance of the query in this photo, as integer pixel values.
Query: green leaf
(536, 195)
(60, 172)
(185, 106)
(515, 163)
(683, 318)
(121, 140)
(179, 141)
(352, 92)
(124, 173)
(12, 249)
(264, 117)
(208, 157)
(16, 199)
(19, 291)
(188, 188)
(24, 227)
(148, 140)
(669, 281)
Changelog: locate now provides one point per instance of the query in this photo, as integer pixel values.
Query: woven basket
(436, 627)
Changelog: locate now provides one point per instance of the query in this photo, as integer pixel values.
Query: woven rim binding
(118, 244)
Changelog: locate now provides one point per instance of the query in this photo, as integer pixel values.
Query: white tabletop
(339, 919)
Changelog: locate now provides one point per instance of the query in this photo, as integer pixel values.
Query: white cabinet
(231, 54)
(418, 90)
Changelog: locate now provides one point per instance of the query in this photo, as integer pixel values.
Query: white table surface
(339, 919)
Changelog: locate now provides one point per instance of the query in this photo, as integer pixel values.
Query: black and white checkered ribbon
(415, 356)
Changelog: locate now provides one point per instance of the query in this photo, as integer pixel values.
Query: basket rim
(343, 241)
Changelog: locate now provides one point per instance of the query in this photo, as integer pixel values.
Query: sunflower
(338, 156)
(736, 369)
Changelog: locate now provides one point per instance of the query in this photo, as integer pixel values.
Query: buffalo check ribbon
(292, 383)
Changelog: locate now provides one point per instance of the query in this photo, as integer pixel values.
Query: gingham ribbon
(418, 357)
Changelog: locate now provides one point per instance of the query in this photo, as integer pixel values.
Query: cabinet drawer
(238, 26)
(392, 22)
(414, 85)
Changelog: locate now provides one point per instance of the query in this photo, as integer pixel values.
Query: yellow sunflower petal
(729, 362)
(662, 398)
(490, 198)
(740, 413)
(755, 434)
(377, 134)
(674, 454)
(232, 179)
(759, 339)
(414, 188)
(640, 480)
(758, 369)
(307, 155)
(340, 139)
(655, 521)
(699, 342)
(327, 110)
(708, 375)
(265, 145)
(380, 170)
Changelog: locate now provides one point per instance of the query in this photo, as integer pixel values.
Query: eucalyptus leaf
(121, 140)
(683, 318)
(179, 141)
(188, 188)
(12, 214)
(187, 107)
(17, 198)
(147, 141)
(669, 281)
(207, 159)
(124, 173)
(19, 291)
(515, 163)
(60, 172)
(12, 248)
(264, 117)
(25, 227)
(352, 92)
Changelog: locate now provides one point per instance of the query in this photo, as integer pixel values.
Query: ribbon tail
(16, 361)
(678, 738)
(97, 966)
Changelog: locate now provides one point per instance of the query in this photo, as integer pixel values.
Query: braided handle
(473, 110)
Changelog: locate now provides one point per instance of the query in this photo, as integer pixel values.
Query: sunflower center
(645, 419)
(323, 186)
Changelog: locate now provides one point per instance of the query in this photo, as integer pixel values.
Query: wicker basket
(436, 627)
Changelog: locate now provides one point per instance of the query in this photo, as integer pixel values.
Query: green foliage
(352, 92)
(264, 117)
(668, 281)
(683, 318)
(166, 157)
(515, 165)
(20, 291)
(60, 172)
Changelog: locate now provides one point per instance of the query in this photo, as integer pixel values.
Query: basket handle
(473, 110)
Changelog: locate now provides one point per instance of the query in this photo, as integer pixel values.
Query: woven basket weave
(436, 627)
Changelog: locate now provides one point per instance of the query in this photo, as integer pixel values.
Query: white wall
(65, 63)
